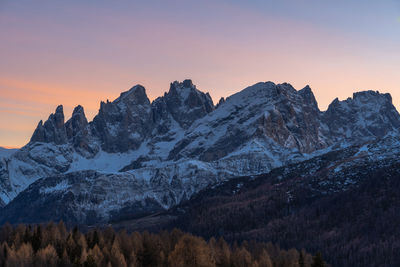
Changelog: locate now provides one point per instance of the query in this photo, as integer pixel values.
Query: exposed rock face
(123, 124)
(77, 129)
(294, 121)
(186, 103)
(53, 130)
(276, 115)
(77, 124)
(180, 143)
(368, 114)
(179, 108)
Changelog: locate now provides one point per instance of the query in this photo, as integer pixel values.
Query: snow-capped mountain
(138, 156)
(92, 197)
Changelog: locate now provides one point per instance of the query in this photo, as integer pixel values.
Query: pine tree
(4, 255)
(27, 234)
(191, 251)
(37, 239)
(97, 255)
(47, 257)
(117, 259)
(301, 259)
(318, 261)
(241, 257)
(94, 240)
(90, 262)
(265, 260)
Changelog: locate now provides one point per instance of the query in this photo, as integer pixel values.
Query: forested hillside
(353, 227)
(54, 245)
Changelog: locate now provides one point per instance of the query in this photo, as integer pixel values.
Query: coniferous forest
(54, 245)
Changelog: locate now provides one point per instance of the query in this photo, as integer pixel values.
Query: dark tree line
(54, 245)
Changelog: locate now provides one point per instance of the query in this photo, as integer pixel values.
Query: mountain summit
(138, 157)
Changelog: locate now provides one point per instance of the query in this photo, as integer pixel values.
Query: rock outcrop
(123, 124)
(53, 130)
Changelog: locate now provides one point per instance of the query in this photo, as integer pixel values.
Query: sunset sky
(81, 52)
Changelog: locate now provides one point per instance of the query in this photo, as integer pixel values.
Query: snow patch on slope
(107, 162)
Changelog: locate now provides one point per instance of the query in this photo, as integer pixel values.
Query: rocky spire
(77, 129)
(220, 102)
(308, 96)
(77, 123)
(186, 103)
(38, 134)
(53, 130)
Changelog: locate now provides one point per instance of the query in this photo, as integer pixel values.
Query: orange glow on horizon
(74, 56)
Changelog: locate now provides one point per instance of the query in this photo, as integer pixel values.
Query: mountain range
(138, 157)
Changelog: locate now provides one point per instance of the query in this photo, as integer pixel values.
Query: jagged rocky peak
(293, 122)
(123, 124)
(266, 91)
(135, 95)
(220, 102)
(77, 129)
(368, 114)
(305, 95)
(260, 89)
(59, 116)
(266, 113)
(366, 99)
(53, 130)
(38, 134)
(270, 93)
(308, 96)
(187, 93)
(285, 87)
(182, 88)
(186, 103)
(77, 123)
(129, 101)
(369, 95)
